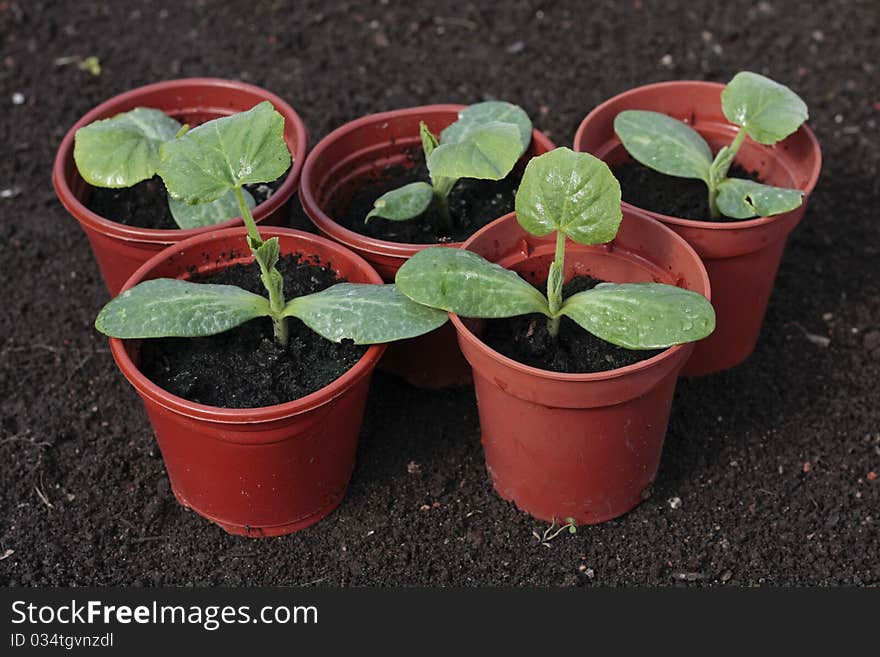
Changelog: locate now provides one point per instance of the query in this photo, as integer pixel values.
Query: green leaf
(475, 116)
(768, 111)
(664, 144)
(168, 307)
(741, 199)
(429, 141)
(403, 203)
(225, 153)
(268, 252)
(123, 150)
(366, 314)
(488, 153)
(466, 284)
(207, 214)
(574, 193)
(642, 315)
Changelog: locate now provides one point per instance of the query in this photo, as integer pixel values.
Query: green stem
(554, 285)
(714, 212)
(248, 218)
(734, 146)
(442, 203)
(269, 275)
(719, 169)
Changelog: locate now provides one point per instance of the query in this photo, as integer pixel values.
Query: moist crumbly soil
(246, 367)
(145, 205)
(472, 204)
(687, 198)
(525, 339)
(766, 476)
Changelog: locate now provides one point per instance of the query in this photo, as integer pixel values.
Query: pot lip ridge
(259, 414)
(64, 154)
(675, 85)
(666, 355)
(353, 239)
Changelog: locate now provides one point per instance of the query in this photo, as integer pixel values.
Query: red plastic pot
(255, 471)
(583, 446)
(337, 166)
(121, 249)
(742, 257)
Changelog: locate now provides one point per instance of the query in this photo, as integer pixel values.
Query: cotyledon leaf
(642, 315)
(365, 314)
(664, 144)
(403, 203)
(741, 199)
(467, 284)
(123, 150)
(168, 307)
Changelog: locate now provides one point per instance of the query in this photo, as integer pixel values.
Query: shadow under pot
(120, 248)
(741, 256)
(262, 471)
(362, 154)
(581, 446)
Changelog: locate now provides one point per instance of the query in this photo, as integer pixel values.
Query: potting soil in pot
(472, 205)
(687, 198)
(145, 205)
(525, 339)
(245, 367)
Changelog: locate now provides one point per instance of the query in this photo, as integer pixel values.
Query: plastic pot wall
(258, 471)
(120, 249)
(584, 446)
(348, 158)
(742, 257)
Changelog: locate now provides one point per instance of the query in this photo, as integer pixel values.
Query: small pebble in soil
(674, 502)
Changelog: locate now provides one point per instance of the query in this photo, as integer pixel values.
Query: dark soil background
(769, 473)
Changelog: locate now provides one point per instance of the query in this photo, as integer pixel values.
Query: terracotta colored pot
(337, 166)
(742, 257)
(583, 446)
(121, 249)
(256, 471)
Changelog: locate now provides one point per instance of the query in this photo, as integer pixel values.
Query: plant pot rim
(667, 354)
(262, 413)
(676, 85)
(351, 238)
(172, 235)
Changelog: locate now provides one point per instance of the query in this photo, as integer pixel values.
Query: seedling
(574, 195)
(553, 531)
(124, 150)
(212, 162)
(485, 143)
(764, 110)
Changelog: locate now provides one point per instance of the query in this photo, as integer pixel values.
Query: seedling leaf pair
(484, 143)
(763, 109)
(166, 307)
(574, 195)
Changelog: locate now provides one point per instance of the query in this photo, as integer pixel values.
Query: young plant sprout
(124, 150)
(555, 530)
(574, 195)
(216, 160)
(764, 110)
(485, 142)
